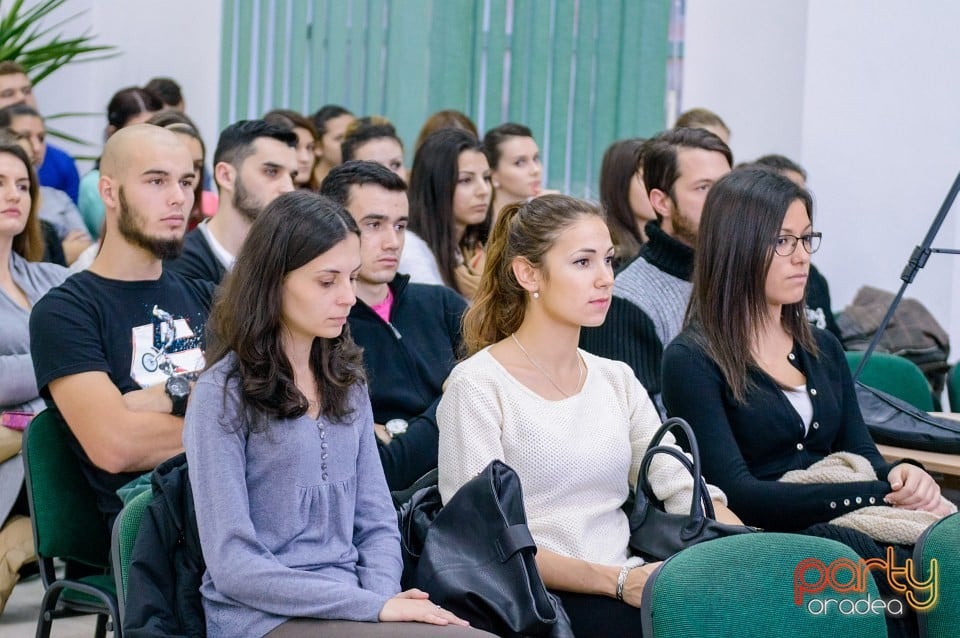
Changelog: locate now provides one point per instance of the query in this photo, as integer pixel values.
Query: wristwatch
(395, 427)
(178, 389)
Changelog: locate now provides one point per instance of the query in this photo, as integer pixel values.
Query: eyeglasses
(786, 245)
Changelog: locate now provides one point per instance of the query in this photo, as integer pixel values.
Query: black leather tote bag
(656, 534)
(478, 560)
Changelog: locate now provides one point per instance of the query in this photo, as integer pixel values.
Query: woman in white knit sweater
(573, 426)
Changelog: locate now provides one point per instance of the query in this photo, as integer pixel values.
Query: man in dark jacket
(410, 332)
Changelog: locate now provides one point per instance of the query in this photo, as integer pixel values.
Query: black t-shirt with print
(137, 332)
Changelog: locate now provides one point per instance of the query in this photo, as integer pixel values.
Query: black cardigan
(746, 447)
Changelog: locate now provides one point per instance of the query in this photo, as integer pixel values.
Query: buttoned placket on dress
(323, 446)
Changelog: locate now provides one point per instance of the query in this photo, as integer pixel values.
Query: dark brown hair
(496, 136)
(294, 229)
(524, 229)
(366, 129)
(742, 217)
(128, 103)
(29, 243)
(660, 166)
(621, 161)
(433, 181)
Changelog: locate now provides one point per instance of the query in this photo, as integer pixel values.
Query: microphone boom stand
(918, 259)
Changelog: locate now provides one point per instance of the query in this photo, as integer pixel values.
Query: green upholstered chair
(940, 542)
(894, 375)
(953, 387)
(67, 525)
(125, 530)
(744, 586)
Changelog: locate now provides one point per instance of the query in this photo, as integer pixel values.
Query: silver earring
(536, 294)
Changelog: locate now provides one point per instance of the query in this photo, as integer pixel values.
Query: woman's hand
(414, 605)
(913, 489)
(636, 579)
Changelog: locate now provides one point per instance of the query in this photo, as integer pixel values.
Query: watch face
(178, 386)
(395, 426)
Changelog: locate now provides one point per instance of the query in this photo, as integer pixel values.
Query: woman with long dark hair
(764, 392)
(572, 425)
(23, 281)
(449, 210)
(296, 524)
(623, 197)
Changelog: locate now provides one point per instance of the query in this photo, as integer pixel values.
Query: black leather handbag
(892, 421)
(478, 560)
(656, 534)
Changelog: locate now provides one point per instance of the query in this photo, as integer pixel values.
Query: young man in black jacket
(410, 333)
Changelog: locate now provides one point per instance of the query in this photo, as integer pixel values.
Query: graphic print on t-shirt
(165, 347)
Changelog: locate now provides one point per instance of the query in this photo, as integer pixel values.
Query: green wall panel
(579, 73)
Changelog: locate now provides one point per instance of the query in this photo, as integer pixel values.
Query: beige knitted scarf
(880, 522)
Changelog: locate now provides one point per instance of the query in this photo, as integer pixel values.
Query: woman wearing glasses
(764, 392)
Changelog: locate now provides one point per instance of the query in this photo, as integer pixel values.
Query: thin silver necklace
(544, 372)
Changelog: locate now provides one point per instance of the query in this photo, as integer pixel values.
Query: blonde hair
(524, 229)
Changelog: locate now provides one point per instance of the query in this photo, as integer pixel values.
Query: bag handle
(701, 507)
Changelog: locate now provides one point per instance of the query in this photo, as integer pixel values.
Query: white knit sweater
(576, 457)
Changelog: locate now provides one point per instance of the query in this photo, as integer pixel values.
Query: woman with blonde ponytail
(574, 426)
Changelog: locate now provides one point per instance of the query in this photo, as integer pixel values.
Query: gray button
(846, 502)
(324, 477)
(813, 392)
(816, 425)
(323, 457)
(323, 446)
(799, 446)
(323, 433)
(323, 467)
(859, 500)
(833, 505)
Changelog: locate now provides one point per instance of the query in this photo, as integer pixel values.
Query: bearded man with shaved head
(115, 347)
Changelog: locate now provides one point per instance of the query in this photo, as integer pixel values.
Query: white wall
(175, 38)
(864, 95)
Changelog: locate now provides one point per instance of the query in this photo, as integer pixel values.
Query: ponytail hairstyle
(527, 230)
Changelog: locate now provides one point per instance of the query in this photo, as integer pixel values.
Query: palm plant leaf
(39, 47)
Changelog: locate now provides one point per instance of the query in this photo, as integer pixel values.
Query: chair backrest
(67, 523)
(125, 530)
(894, 375)
(747, 585)
(953, 388)
(940, 542)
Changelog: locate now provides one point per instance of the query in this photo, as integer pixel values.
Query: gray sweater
(295, 521)
(18, 385)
